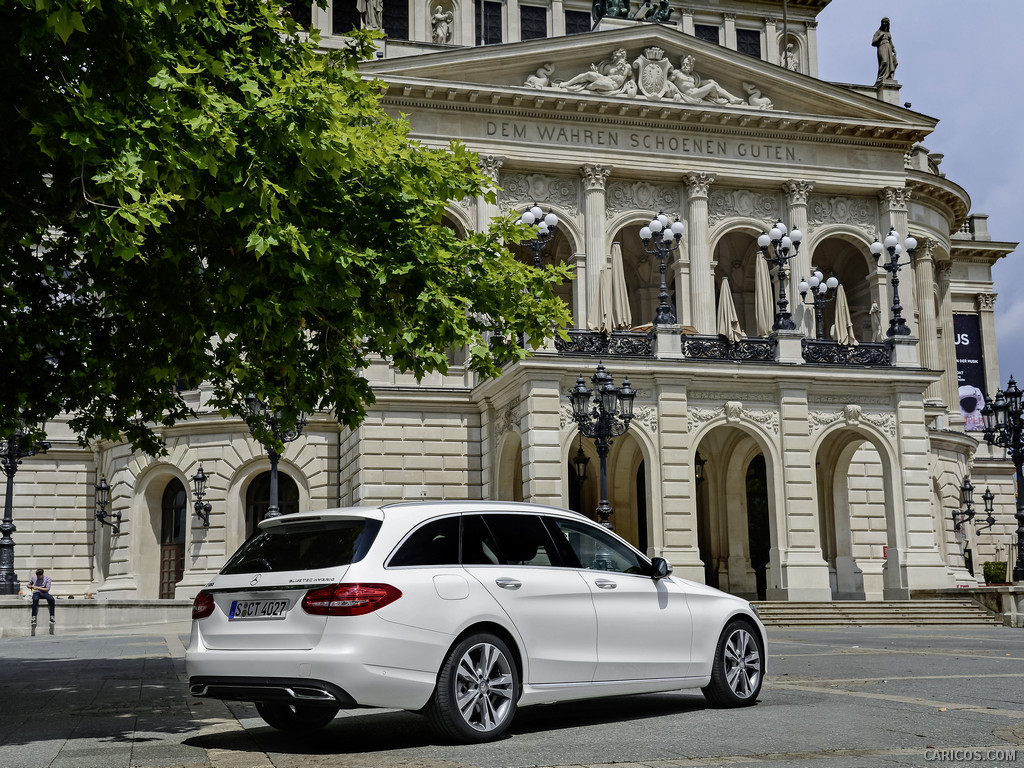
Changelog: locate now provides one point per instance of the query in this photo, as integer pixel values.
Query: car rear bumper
(288, 690)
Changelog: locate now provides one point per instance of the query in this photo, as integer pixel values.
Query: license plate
(257, 609)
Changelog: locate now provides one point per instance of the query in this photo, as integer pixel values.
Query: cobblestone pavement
(842, 698)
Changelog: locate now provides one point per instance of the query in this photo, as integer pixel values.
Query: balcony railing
(826, 352)
(598, 344)
(720, 348)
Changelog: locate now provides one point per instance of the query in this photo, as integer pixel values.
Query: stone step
(857, 613)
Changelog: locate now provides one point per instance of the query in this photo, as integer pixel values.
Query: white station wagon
(463, 611)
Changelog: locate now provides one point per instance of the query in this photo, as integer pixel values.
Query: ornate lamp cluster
(822, 292)
(783, 248)
(262, 414)
(966, 514)
(545, 224)
(1004, 426)
(897, 323)
(603, 414)
(665, 239)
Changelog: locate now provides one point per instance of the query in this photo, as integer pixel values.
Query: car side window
(598, 551)
(433, 543)
(507, 540)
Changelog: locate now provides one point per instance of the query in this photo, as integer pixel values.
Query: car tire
(295, 718)
(477, 690)
(738, 668)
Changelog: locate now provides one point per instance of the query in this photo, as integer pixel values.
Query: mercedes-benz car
(462, 611)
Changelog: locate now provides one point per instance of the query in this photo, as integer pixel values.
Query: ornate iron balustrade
(598, 344)
(827, 352)
(720, 348)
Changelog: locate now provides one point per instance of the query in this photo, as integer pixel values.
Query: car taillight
(349, 599)
(203, 605)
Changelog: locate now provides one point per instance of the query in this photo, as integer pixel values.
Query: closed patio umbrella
(728, 321)
(842, 331)
(599, 316)
(764, 304)
(621, 317)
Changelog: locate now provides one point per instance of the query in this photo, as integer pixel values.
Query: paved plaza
(843, 698)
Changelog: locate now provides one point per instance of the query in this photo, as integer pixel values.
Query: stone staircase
(853, 613)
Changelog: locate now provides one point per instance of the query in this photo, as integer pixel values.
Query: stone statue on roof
(886, 53)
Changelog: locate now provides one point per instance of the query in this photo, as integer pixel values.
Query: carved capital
(770, 21)
(686, 11)
(925, 250)
(985, 302)
(729, 16)
(698, 184)
(895, 198)
(594, 176)
(491, 165)
(811, 24)
(944, 274)
(797, 192)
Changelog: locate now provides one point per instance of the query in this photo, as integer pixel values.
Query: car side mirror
(660, 568)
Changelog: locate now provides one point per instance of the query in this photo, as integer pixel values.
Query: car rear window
(305, 546)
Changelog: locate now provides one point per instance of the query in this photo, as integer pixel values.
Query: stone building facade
(830, 470)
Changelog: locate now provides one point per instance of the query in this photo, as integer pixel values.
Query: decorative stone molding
(698, 184)
(796, 191)
(725, 204)
(647, 417)
(640, 196)
(842, 400)
(735, 412)
(852, 413)
(519, 190)
(894, 198)
(704, 415)
(767, 419)
(491, 166)
(509, 418)
(468, 204)
(985, 302)
(564, 416)
(943, 275)
(853, 211)
(817, 421)
(811, 24)
(594, 176)
(925, 250)
(719, 396)
(884, 421)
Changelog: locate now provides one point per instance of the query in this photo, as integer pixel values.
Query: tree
(190, 191)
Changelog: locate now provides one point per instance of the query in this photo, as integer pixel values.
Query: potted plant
(995, 572)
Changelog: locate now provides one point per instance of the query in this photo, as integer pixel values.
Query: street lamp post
(1004, 426)
(666, 242)
(783, 248)
(822, 292)
(602, 414)
(261, 414)
(897, 323)
(13, 453)
(545, 232)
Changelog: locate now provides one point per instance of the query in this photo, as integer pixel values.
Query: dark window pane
(599, 551)
(533, 22)
(302, 12)
(435, 543)
(577, 22)
(748, 41)
(396, 19)
(305, 546)
(522, 540)
(345, 17)
(706, 32)
(478, 544)
(172, 507)
(488, 22)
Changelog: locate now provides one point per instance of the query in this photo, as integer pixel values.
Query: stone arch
(641, 270)
(508, 480)
(144, 556)
(562, 249)
(735, 257)
(238, 484)
(459, 219)
(860, 515)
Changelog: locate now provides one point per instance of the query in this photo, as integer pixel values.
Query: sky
(961, 61)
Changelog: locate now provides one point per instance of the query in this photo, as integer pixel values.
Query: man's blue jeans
(35, 602)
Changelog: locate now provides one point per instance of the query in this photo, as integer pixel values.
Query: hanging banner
(970, 370)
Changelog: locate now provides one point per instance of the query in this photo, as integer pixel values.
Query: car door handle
(506, 583)
(605, 584)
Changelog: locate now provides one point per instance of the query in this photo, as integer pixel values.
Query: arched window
(257, 499)
(173, 516)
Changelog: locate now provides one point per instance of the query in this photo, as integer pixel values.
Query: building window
(706, 32)
(488, 22)
(748, 41)
(302, 12)
(344, 17)
(396, 19)
(533, 22)
(257, 499)
(577, 22)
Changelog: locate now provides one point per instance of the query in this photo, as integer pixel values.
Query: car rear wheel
(295, 718)
(477, 690)
(736, 674)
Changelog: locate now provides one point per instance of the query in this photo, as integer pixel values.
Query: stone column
(686, 20)
(812, 48)
(893, 207)
(924, 276)
(986, 305)
(947, 346)
(771, 39)
(595, 177)
(543, 468)
(730, 31)
(799, 268)
(485, 211)
(557, 19)
(702, 289)
(579, 290)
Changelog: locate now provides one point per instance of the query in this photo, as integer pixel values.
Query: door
(515, 559)
(644, 626)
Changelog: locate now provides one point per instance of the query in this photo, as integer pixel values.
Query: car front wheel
(295, 718)
(477, 690)
(736, 674)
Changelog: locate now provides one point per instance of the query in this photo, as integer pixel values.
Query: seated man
(40, 585)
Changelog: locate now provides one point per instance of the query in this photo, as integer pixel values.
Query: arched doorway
(847, 260)
(509, 479)
(257, 499)
(559, 250)
(736, 255)
(758, 524)
(173, 515)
